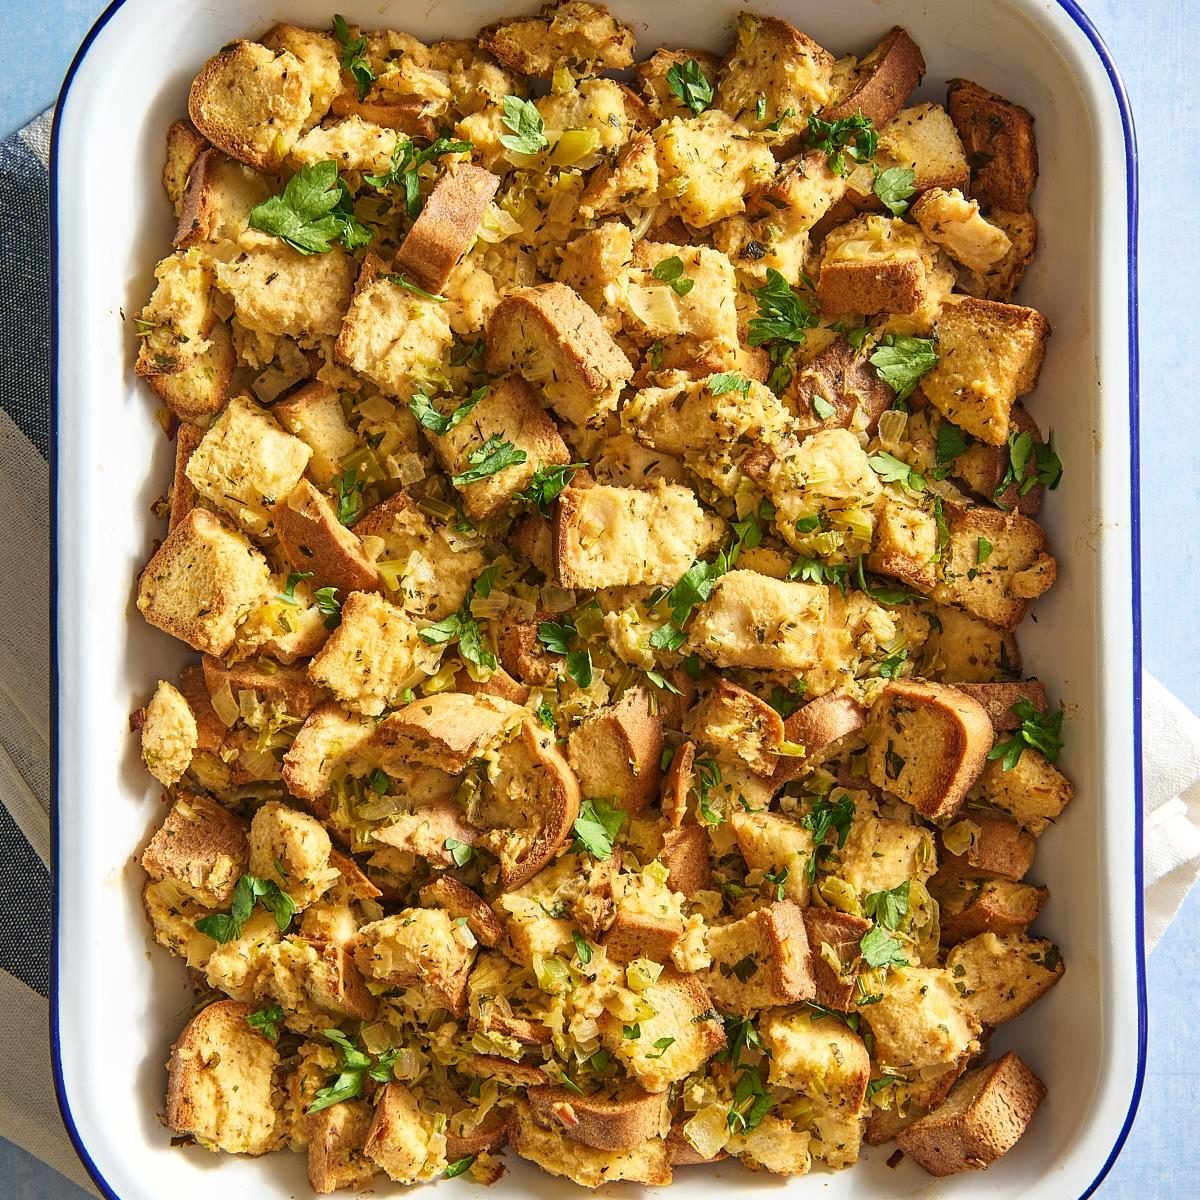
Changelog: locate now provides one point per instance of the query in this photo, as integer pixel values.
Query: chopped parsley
(406, 162)
(267, 1021)
(893, 187)
(329, 606)
(357, 1066)
(671, 271)
(528, 133)
(557, 637)
(596, 828)
(783, 314)
(484, 461)
(226, 927)
(313, 211)
(1029, 464)
(900, 361)
(891, 469)
(458, 1167)
(422, 407)
(460, 852)
(888, 907)
(582, 949)
(880, 949)
(1041, 731)
(854, 135)
(288, 595)
(348, 489)
(690, 86)
(890, 667)
(463, 628)
(728, 381)
(353, 57)
(409, 286)
(546, 485)
(751, 1102)
(827, 817)
(661, 1046)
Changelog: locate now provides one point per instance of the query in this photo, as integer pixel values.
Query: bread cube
(774, 843)
(921, 1021)
(314, 415)
(684, 853)
(335, 1137)
(999, 977)
(200, 388)
(1034, 792)
(219, 198)
(353, 143)
(652, 76)
(921, 139)
(585, 38)
(649, 920)
(733, 723)
(251, 102)
(184, 147)
(313, 539)
(372, 656)
(963, 648)
(816, 1056)
(202, 582)
(622, 1123)
(761, 960)
(174, 324)
(1000, 281)
(989, 847)
(956, 224)
(292, 849)
(607, 108)
(998, 137)
(877, 264)
(551, 337)
(841, 377)
(615, 752)
(245, 463)
(320, 58)
(981, 468)
(403, 1141)
(169, 735)
(881, 81)
(618, 537)
(328, 738)
(201, 848)
(881, 854)
(458, 900)
(981, 1119)
(446, 730)
(970, 906)
(988, 355)
(834, 940)
(418, 947)
(631, 179)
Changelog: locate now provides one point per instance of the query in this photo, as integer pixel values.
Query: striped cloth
(28, 1112)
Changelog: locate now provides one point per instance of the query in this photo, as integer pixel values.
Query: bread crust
(616, 751)
(201, 847)
(315, 540)
(622, 1123)
(998, 138)
(883, 81)
(999, 699)
(444, 891)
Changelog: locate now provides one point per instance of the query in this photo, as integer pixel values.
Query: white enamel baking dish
(119, 1002)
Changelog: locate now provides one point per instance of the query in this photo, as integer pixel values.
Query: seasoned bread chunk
(877, 264)
(173, 327)
(184, 147)
(314, 540)
(998, 137)
(971, 906)
(201, 848)
(314, 414)
(404, 1142)
(881, 82)
(418, 947)
(219, 198)
(622, 1123)
(760, 961)
(956, 224)
(999, 977)
(169, 734)
(982, 1118)
(921, 1021)
(585, 38)
(841, 378)
(615, 752)
(817, 1056)
(445, 731)
(921, 139)
(200, 388)
(1034, 792)
(834, 940)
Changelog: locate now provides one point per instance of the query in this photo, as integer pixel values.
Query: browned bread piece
(992, 847)
(969, 906)
(314, 415)
(410, 115)
(444, 891)
(489, 1135)
(988, 355)
(982, 1118)
(426, 830)
(184, 146)
(630, 179)
(585, 38)
(734, 723)
(182, 495)
(202, 582)
(684, 853)
(512, 411)
(982, 468)
(169, 735)
(553, 338)
(557, 1154)
(922, 1023)
(615, 751)
(335, 1137)
(998, 138)
(652, 79)
(201, 847)
(999, 977)
(842, 933)
(1000, 281)
(219, 198)
(777, 844)
(221, 1081)
(326, 740)
(955, 223)
(881, 82)
(760, 961)
(210, 729)
(999, 700)
(447, 226)
(418, 947)
(320, 57)
(335, 985)
(1034, 792)
(619, 1123)
(817, 726)
(679, 784)
(200, 389)
(251, 102)
(499, 683)
(524, 655)
(928, 745)
(964, 649)
(513, 1074)
(402, 1140)
(287, 686)
(921, 139)
(818, 1056)
(313, 539)
(873, 265)
(174, 324)
(445, 730)
(842, 377)
(910, 1101)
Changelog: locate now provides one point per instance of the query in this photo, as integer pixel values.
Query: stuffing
(169, 734)
(584, 38)
(998, 138)
(218, 200)
(418, 947)
(174, 325)
(760, 961)
(200, 848)
(615, 752)
(999, 977)
(293, 850)
(956, 224)
(314, 414)
(921, 1021)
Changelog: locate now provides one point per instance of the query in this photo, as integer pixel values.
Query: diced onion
(408, 468)
(655, 307)
(708, 1130)
(891, 426)
(225, 706)
(642, 973)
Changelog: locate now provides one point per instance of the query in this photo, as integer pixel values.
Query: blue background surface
(1153, 43)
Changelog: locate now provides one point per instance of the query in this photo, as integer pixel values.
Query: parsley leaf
(855, 135)
(528, 134)
(463, 628)
(690, 86)
(880, 949)
(813, 570)
(888, 907)
(458, 1167)
(267, 1021)
(579, 667)
(288, 595)
(349, 490)
(893, 188)
(670, 271)
(329, 606)
(900, 361)
(357, 1066)
(556, 636)
(486, 460)
(708, 776)
(891, 469)
(951, 442)
(429, 417)
(406, 162)
(783, 314)
(226, 927)
(353, 58)
(460, 852)
(751, 1102)
(1030, 463)
(312, 212)
(983, 550)
(409, 286)
(595, 829)
(729, 381)
(1041, 731)
(740, 1034)
(582, 950)
(889, 668)
(785, 701)
(823, 409)
(661, 1046)
(546, 485)
(827, 817)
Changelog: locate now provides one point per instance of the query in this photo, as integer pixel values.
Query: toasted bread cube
(221, 1080)
(819, 726)
(585, 38)
(512, 412)
(200, 388)
(418, 947)
(328, 738)
(904, 542)
(169, 735)
(921, 1021)
(771, 58)
(988, 355)
(971, 906)
(245, 463)
(803, 192)
(173, 915)
(622, 1123)
(252, 103)
(278, 290)
(320, 59)
(631, 179)
(761, 960)
(999, 977)
(458, 900)
(446, 730)
(1033, 793)
(406, 114)
(292, 849)
(618, 537)
(881, 854)
(282, 631)
(1000, 281)
(964, 649)
(1017, 571)
(201, 848)
(551, 337)
(649, 921)
(210, 729)
(843, 378)
(184, 146)
(834, 937)
(779, 1146)
(774, 843)
(910, 1101)
(353, 143)
(372, 656)
(202, 582)
(876, 264)
(652, 75)
(922, 139)
(683, 1010)
(403, 1141)
(335, 1137)
(175, 322)
(735, 724)
(311, 981)
(447, 226)
(615, 752)
(928, 745)
(424, 832)
(956, 224)
(595, 264)
(684, 853)
(707, 164)
(313, 539)
(998, 137)
(609, 109)
(982, 468)
(219, 198)
(391, 335)
(314, 415)
(982, 1118)
(555, 1152)
(817, 1056)
(286, 687)
(881, 82)
(991, 847)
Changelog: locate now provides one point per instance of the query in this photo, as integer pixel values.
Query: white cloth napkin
(28, 1113)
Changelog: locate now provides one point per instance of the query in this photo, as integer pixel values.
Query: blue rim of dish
(1081, 19)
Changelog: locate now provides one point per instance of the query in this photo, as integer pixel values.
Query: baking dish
(118, 1001)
